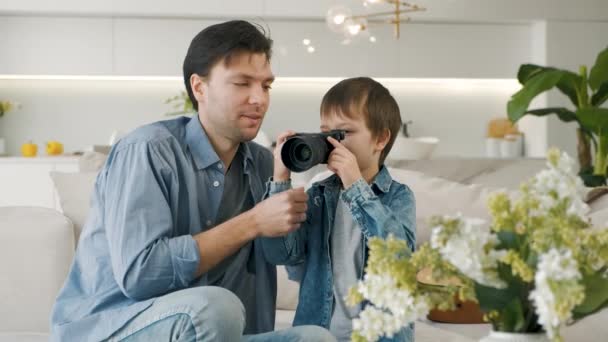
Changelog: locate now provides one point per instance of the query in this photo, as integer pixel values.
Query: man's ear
(199, 87)
(382, 140)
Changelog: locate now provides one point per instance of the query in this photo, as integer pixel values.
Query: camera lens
(302, 152)
(305, 150)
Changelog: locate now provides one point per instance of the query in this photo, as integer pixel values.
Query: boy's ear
(383, 139)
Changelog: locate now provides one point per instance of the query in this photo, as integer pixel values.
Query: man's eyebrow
(249, 77)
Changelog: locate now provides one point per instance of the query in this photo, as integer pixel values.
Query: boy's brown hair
(362, 95)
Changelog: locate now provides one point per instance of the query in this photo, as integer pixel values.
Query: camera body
(302, 151)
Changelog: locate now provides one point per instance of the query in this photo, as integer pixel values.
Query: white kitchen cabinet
(27, 181)
(55, 45)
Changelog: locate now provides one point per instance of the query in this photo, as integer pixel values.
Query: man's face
(358, 139)
(235, 97)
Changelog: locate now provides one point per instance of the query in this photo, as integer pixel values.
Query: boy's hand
(343, 163)
(281, 213)
(281, 172)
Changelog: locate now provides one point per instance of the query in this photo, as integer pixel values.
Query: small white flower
(552, 266)
(466, 250)
(558, 183)
(393, 309)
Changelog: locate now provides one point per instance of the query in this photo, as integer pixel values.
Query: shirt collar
(203, 152)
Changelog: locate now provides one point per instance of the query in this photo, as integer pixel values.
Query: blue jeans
(205, 313)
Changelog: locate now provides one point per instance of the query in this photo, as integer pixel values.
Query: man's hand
(281, 172)
(281, 213)
(343, 163)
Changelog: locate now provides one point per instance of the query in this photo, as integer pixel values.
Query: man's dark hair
(220, 42)
(358, 96)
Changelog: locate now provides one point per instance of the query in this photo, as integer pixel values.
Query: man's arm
(147, 259)
(275, 216)
(288, 249)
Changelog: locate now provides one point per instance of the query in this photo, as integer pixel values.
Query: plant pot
(501, 336)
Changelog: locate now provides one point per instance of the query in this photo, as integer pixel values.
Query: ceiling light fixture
(340, 19)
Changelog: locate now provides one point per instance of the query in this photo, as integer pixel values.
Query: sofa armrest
(36, 250)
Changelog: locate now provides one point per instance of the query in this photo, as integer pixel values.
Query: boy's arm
(288, 249)
(379, 220)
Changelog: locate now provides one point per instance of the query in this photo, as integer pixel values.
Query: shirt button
(220, 166)
(216, 184)
(208, 222)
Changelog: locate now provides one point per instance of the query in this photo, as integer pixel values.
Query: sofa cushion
(24, 337)
(74, 190)
(499, 173)
(36, 250)
(287, 290)
(437, 196)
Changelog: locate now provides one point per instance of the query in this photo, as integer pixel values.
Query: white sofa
(37, 244)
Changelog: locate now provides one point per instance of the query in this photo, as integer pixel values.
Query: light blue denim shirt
(161, 184)
(381, 208)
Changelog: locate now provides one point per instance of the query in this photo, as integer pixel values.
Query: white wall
(101, 38)
(157, 46)
(570, 45)
(82, 113)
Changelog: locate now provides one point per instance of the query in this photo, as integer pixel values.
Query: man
(170, 250)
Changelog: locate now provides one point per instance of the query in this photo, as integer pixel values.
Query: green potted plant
(181, 104)
(5, 107)
(587, 91)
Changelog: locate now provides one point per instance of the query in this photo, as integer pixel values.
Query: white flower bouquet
(538, 265)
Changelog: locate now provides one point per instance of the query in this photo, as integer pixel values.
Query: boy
(327, 252)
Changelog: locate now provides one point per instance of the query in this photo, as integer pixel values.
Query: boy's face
(358, 139)
(235, 97)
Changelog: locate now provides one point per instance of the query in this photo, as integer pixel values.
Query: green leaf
(600, 96)
(527, 71)
(508, 240)
(591, 181)
(567, 85)
(563, 114)
(594, 119)
(491, 298)
(541, 82)
(596, 295)
(599, 73)
(512, 317)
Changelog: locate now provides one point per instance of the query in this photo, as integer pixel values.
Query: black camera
(305, 150)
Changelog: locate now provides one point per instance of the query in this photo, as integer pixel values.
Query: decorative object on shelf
(503, 140)
(407, 148)
(587, 92)
(29, 149)
(340, 19)
(5, 107)
(537, 266)
(54, 148)
(413, 148)
(181, 104)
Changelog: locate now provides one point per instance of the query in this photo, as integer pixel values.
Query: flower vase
(501, 336)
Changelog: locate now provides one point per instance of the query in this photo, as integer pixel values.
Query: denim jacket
(382, 208)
